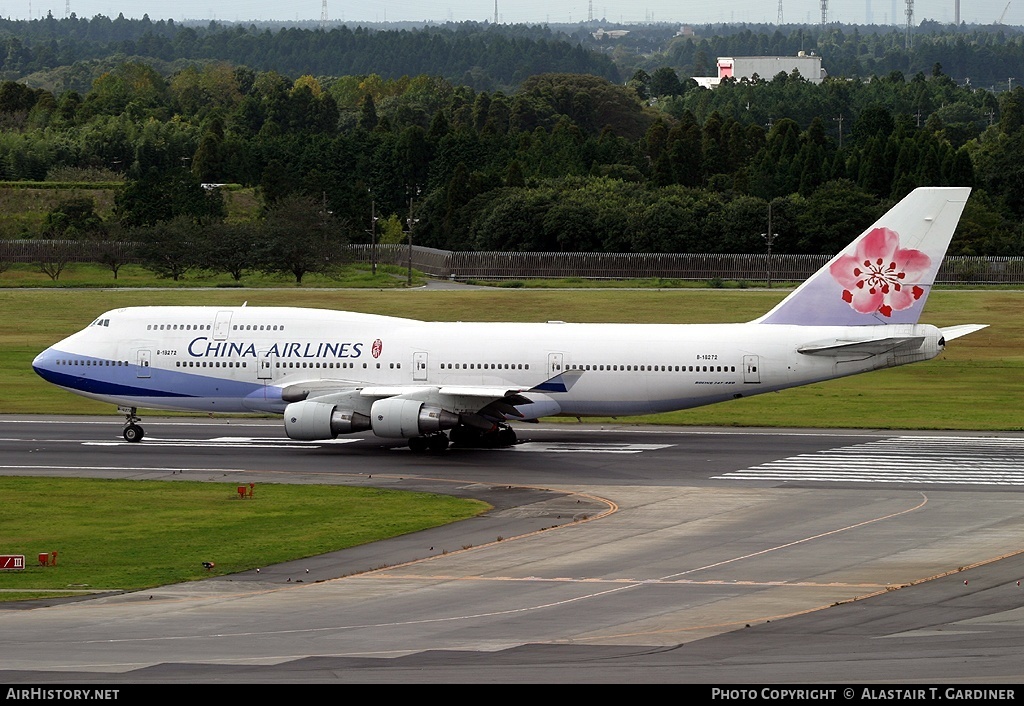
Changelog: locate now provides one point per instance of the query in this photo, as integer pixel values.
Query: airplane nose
(43, 365)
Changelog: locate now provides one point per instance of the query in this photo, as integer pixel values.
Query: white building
(609, 34)
(765, 67)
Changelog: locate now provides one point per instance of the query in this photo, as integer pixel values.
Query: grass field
(127, 535)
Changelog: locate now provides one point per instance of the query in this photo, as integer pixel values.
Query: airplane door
(419, 366)
(222, 326)
(265, 366)
(750, 369)
(554, 364)
(143, 358)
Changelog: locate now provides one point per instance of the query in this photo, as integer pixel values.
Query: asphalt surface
(613, 554)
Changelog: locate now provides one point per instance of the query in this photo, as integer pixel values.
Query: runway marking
(177, 469)
(592, 448)
(647, 582)
(990, 461)
(229, 442)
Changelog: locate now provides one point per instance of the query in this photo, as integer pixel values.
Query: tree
(162, 195)
(665, 82)
(299, 237)
(111, 247)
(73, 218)
(229, 247)
(55, 258)
(368, 114)
(168, 248)
(208, 162)
(131, 87)
(832, 213)
(641, 83)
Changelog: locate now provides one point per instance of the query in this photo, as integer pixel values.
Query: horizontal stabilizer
(951, 332)
(875, 346)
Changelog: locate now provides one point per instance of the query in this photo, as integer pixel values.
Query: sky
(529, 11)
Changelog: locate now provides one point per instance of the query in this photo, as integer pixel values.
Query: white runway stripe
(902, 459)
(238, 442)
(593, 448)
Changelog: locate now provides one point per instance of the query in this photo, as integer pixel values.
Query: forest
(491, 137)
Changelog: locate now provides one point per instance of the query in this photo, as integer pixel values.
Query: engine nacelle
(310, 420)
(404, 419)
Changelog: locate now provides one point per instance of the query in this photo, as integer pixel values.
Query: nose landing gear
(132, 431)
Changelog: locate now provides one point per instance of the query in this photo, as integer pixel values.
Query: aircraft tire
(507, 437)
(133, 433)
(462, 436)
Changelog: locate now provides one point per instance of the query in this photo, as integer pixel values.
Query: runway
(614, 554)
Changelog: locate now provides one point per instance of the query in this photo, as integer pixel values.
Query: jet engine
(310, 420)
(403, 418)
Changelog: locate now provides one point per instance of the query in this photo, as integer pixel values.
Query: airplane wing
(482, 404)
(314, 388)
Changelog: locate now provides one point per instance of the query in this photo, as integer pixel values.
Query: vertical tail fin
(886, 274)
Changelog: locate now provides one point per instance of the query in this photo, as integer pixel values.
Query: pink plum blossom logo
(880, 275)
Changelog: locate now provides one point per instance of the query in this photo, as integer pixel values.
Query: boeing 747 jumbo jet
(336, 372)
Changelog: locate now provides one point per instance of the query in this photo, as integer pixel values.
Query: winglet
(562, 382)
(886, 274)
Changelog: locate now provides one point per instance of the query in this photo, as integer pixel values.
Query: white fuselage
(242, 359)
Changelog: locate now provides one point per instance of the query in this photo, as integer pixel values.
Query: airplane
(330, 373)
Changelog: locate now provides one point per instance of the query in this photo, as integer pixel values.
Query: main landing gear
(132, 431)
(466, 437)
(432, 442)
(499, 436)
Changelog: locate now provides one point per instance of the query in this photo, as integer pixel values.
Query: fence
(686, 266)
(446, 264)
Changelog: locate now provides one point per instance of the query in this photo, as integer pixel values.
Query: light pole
(410, 222)
(769, 238)
(373, 236)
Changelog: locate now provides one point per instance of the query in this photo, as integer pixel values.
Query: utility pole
(840, 121)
